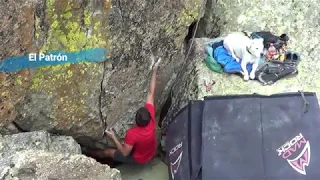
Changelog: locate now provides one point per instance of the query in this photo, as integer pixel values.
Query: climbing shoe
(292, 57)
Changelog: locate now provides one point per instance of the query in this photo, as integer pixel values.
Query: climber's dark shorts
(118, 157)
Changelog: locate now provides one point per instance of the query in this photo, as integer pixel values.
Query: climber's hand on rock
(153, 64)
(110, 132)
(156, 65)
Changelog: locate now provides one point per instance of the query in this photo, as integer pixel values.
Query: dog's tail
(248, 34)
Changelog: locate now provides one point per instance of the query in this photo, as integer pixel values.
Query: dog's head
(256, 48)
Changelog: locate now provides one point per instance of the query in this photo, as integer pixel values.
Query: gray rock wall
(39, 156)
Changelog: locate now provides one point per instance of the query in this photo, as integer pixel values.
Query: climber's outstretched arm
(151, 91)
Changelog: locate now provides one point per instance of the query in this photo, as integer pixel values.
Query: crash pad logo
(297, 153)
(175, 156)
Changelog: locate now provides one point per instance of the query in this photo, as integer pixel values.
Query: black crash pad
(183, 134)
(246, 137)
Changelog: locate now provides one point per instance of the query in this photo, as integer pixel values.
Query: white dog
(248, 50)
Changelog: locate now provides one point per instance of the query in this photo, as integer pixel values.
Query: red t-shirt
(143, 139)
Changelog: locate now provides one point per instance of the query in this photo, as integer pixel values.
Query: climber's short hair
(142, 117)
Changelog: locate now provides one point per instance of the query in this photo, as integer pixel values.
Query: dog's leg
(235, 57)
(254, 69)
(245, 71)
(230, 50)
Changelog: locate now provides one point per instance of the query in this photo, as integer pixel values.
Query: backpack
(269, 38)
(276, 46)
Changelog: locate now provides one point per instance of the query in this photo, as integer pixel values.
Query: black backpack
(269, 38)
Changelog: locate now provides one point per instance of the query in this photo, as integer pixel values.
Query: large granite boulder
(39, 155)
(78, 99)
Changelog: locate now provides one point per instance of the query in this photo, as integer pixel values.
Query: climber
(140, 142)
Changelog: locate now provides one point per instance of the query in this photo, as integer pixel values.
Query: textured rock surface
(16, 26)
(38, 155)
(65, 98)
(58, 98)
(38, 140)
(157, 26)
(16, 29)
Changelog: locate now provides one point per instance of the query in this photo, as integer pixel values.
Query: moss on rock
(185, 17)
(66, 82)
(71, 30)
(68, 32)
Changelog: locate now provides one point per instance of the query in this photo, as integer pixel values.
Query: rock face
(156, 26)
(38, 155)
(77, 99)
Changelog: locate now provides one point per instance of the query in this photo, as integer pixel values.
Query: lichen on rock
(65, 82)
(66, 98)
(73, 89)
(68, 29)
(188, 14)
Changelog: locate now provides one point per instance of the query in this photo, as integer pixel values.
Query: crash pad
(247, 137)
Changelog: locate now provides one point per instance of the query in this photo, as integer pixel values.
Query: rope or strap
(186, 57)
(184, 60)
(305, 102)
